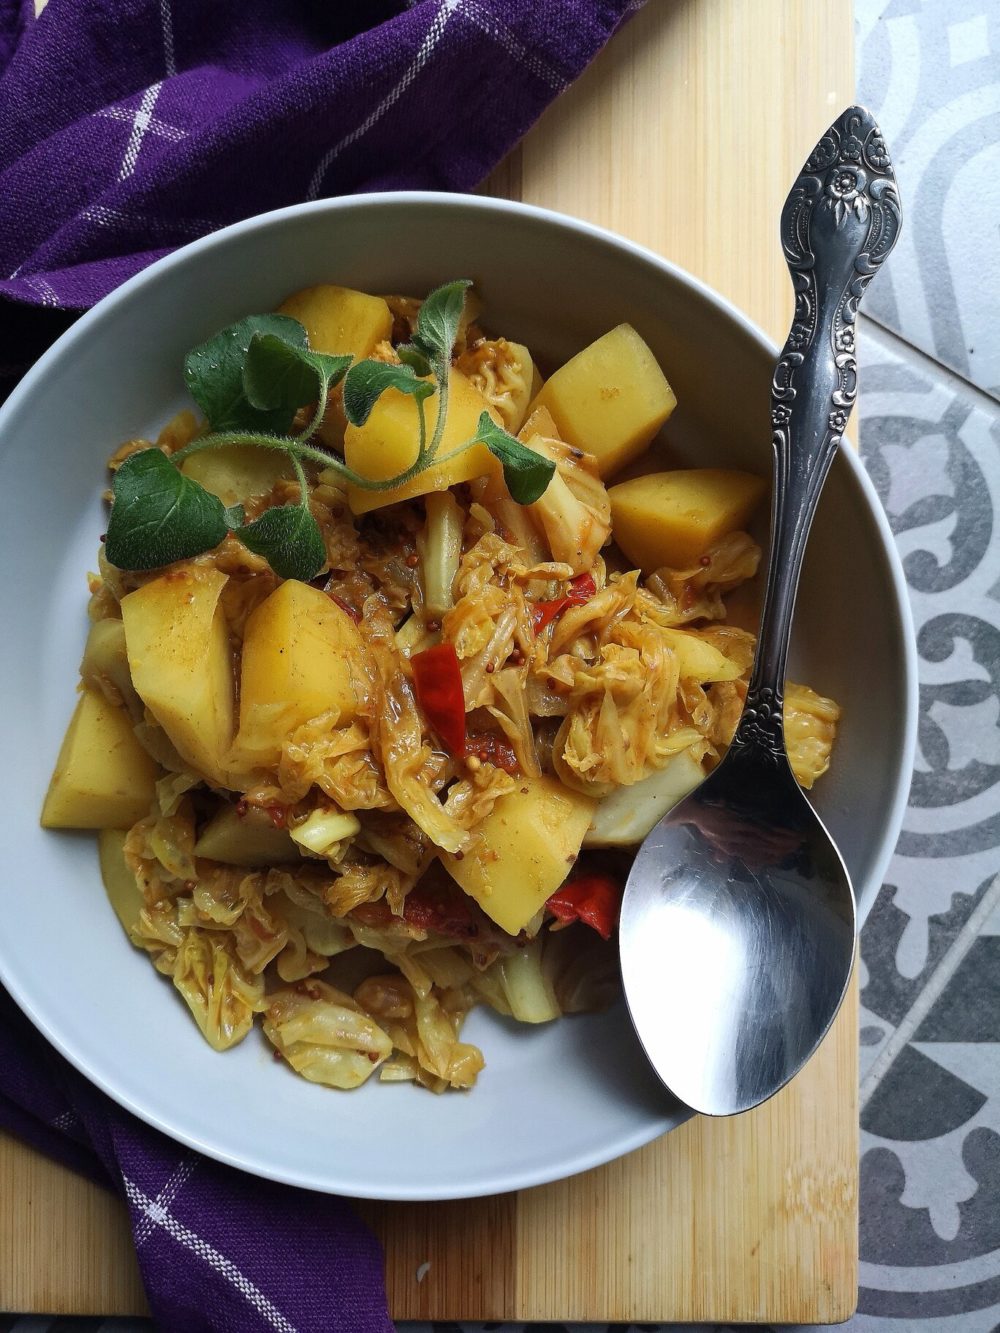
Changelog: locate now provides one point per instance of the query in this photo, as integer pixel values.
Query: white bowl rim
(485, 204)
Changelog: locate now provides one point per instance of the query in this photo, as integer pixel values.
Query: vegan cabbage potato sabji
(371, 735)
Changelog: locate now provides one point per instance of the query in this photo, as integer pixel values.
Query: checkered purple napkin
(128, 127)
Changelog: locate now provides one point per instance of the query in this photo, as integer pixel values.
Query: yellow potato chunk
(245, 840)
(238, 472)
(610, 399)
(672, 518)
(338, 320)
(103, 777)
(302, 656)
(699, 660)
(387, 445)
(526, 848)
(120, 883)
(181, 662)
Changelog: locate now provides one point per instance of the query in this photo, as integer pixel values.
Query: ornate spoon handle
(839, 222)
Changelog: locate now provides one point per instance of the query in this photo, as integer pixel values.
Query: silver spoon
(738, 918)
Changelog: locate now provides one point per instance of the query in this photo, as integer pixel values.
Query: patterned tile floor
(930, 436)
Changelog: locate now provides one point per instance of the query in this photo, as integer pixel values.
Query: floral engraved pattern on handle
(761, 727)
(849, 177)
(839, 222)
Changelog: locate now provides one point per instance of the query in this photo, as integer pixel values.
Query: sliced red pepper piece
(440, 909)
(437, 679)
(581, 589)
(592, 899)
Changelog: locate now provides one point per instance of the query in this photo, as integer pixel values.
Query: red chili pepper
(592, 899)
(581, 589)
(441, 909)
(437, 679)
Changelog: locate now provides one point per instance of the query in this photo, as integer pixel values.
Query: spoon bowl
(738, 917)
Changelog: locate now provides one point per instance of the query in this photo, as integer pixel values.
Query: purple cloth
(127, 128)
(219, 1251)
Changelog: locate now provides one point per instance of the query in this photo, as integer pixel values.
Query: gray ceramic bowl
(551, 1101)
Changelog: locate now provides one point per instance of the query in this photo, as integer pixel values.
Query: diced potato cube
(103, 777)
(338, 320)
(526, 848)
(538, 422)
(120, 883)
(388, 442)
(181, 662)
(238, 472)
(699, 660)
(245, 840)
(302, 656)
(610, 399)
(672, 518)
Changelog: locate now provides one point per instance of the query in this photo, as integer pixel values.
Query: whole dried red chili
(437, 679)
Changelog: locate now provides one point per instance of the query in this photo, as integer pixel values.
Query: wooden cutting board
(684, 135)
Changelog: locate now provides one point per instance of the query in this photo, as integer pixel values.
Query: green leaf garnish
(289, 539)
(526, 473)
(279, 376)
(159, 515)
(438, 320)
(366, 381)
(409, 356)
(213, 373)
(251, 380)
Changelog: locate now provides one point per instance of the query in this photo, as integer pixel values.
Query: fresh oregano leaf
(526, 473)
(235, 517)
(280, 376)
(409, 356)
(439, 318)
(366, 381)
(289, 539)
(159, 515)
(213, 373)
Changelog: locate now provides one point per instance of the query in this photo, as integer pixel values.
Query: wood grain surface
(683, 135)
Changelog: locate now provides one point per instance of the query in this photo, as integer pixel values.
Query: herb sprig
(251, 380)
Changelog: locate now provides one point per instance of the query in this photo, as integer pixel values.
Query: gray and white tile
(928, 70)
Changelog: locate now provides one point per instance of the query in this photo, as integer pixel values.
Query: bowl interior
(581, 1086)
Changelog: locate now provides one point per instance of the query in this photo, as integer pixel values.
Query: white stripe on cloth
(44, 289)
(488, 23)
(437, 27)
(167, 26)
(106, 216)
(155, 126)
(209, 1255)
(165, 1198)
(143, 118)
(140, 124)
